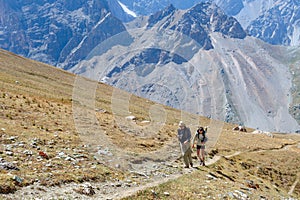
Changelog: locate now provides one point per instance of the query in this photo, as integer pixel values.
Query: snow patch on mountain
(127, 10)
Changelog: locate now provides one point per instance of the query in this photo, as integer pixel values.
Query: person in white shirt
(184, 137)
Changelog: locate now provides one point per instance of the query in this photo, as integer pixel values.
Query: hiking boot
(191, 164)
(202, 163)
(186, 167)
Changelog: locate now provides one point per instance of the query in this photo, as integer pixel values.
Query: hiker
(201, 138)
(184, 137)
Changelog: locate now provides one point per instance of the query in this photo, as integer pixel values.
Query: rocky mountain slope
(279, 25)
(67, 137)
(201, 61)
(56, 32)
(275, 22)
(59, 33)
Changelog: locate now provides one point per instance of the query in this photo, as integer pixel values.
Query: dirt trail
(132, 191)
(211, 161)
(150, 172)
(294, 185)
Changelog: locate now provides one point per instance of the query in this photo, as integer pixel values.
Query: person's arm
(188, 135)
(204, 138)
(178, 136)
(194, 138)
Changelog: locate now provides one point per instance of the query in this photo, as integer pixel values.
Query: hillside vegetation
(64, 137)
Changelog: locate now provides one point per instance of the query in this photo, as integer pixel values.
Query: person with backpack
(184, 137)
(200, 138)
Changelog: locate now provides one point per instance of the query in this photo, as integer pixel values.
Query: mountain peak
(155, 18)
(198, 22)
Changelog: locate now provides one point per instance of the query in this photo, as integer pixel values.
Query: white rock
(131, 117)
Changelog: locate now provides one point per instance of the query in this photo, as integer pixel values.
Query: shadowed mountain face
(190, 63)
(57, 32)
(279, 25)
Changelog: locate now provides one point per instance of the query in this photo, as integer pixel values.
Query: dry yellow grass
(36, 111)
(39, 113)
(36, 108)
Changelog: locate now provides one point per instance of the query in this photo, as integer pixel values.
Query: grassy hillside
(52, 132)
